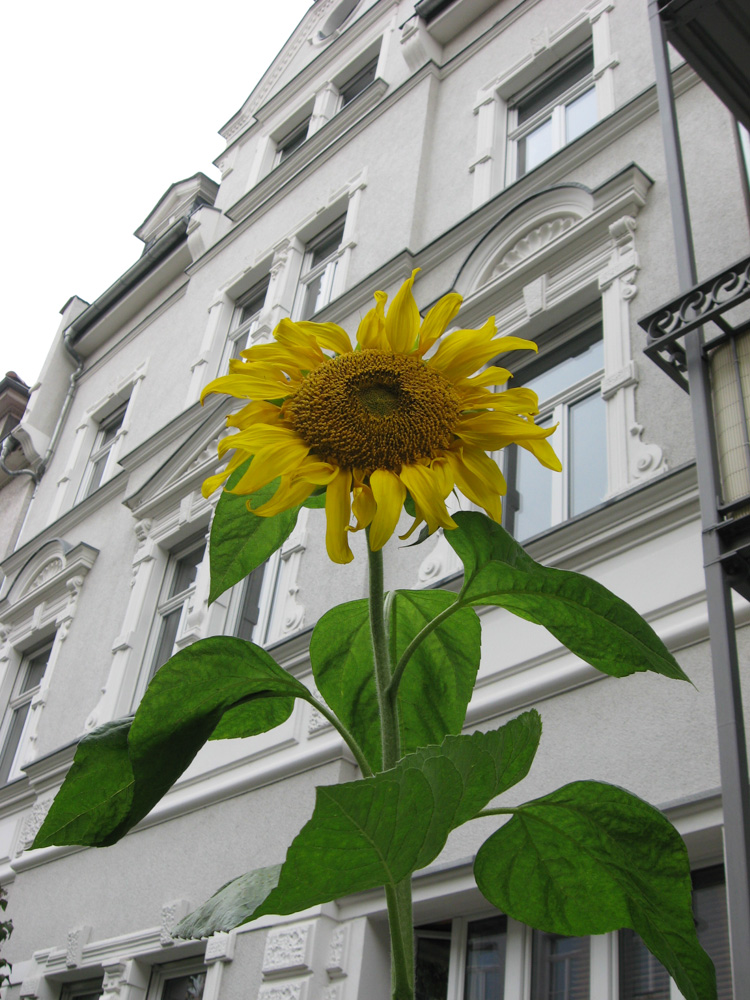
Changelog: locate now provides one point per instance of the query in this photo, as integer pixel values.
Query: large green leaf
(582, 614)
(97, 792)
(436, 686)
(378, 830)
(592, 858)
(231, 905)
(218, 688)
(240, 540)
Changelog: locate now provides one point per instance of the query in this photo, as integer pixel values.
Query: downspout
(37, 474)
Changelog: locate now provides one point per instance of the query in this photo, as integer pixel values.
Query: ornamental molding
(532, 242)
(288, 949)
(52, 578)
(77, 938)
(442, 562)
(220, 947)
(32, 824)
(284, 991)
(337, 961)
(171, 914)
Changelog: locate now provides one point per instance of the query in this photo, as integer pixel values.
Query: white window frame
(21, 700)
(289, 138)
(241, 331)
(169, 603)
(353, 79)
(325, 270)
(104, 449)
(83, 989)
(556, 410)
(553, 111)
(162, 974)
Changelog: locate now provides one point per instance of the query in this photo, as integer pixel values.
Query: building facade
(512, 151)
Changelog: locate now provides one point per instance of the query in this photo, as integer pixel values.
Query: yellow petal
(490, 376)
(519, 400)
(253, 413)
(436, 320)
(329, 335)
(473, 487)
(268, 463)
(424, 486)
(248, 386)
(402, 318)
(363, 506)
(213, 482)
(338, 512)
(371, 332)
(289, 494)
(544, 453)
(389, 494)
(490, 431)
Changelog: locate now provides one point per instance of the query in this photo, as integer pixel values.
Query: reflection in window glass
(567, 372)
(587, 448)
(177, 590)
(535, 147)
(580, 114)
(534, 484)
(29, 678)
(642, 977)
(185, 987)
(432, 959)
(560, 967)
(485, 959)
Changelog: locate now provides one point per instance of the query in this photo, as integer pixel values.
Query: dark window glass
(432, 961)
(359, 82)
(27, 682)
(642, 977)
(485, 959)
(185, 987)
(560, 967)
(249, 607)
(292, 141)
(555, 86)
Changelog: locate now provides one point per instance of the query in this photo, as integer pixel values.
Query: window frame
(103, 448)
(163, 974)
(21, 698)
(241, 330)
(552, 110)
(287, 144)
(370, 67)
(324, 269)
(83, 988)
(555, 409)
(167, 603)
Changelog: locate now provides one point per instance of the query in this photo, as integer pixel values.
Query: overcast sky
(105, 106)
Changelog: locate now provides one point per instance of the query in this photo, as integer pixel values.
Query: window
(553, 111)
(28, 682)
(244, 321)
(291, 141)
(318, 271)
(567, 380)
(354, 86)
(101, 464)
(559, 967)
(180, 981)
(247, 610)
(176, 591)
(90, 989)
(642, 977)
(477, 946)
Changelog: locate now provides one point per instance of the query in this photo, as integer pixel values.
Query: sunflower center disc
(372, 410)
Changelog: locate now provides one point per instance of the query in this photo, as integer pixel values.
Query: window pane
(433, 949)
(534, 484)
(352, 88)
(323, 250)
(292, 141)
(185, 987)
(248, 616)
(485, 959)
(313, 295)
(535, 147)
(580, 114)
(642, 977)
(96, 474)
(587, 454)
(186, 570)
(12, 740)
(556, 86)
(710, 912)
(560, 967)
(568, 372)
(36, 664)
(167, 635)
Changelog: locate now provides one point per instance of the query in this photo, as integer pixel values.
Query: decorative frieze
(32, 824)
(171, 914)
(284, 991)
(288, 949)
(220, 947)
(533, 241)
(337, 960)
(77, 938)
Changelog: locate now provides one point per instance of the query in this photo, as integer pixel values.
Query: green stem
(389, 733)
(496, 812)
(398, 896)
(418, 638)
(344, 733)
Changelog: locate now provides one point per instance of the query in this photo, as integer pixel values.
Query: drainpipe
(37, 474)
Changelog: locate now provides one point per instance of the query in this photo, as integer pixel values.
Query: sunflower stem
(398, 895)
(345, 735)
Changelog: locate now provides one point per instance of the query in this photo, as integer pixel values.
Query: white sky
(105, 106)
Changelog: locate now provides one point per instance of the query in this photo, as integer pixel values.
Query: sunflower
(376, 422)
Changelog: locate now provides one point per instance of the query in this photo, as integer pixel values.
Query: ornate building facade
(511, 150)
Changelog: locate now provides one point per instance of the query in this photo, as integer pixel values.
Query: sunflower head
(374, 423)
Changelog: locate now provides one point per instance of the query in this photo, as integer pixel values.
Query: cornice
(46, 577)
